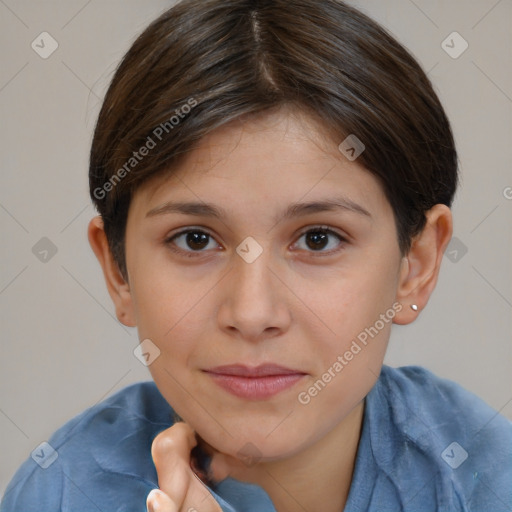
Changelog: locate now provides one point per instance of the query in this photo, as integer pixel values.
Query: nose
(254, 304)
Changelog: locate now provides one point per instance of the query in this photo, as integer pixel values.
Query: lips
(263, 370)
(255, 383)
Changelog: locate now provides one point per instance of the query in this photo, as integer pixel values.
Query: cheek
(348, 363)
(163, 297)
(172, 316)
(174, 311)
(351, 301)
(358, 308)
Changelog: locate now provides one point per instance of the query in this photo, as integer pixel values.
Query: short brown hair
(204, 63)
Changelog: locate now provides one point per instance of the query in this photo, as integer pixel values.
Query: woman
(274, 182)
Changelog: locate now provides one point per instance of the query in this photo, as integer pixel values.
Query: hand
(180, 489)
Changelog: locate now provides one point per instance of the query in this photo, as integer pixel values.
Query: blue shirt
(426, 445)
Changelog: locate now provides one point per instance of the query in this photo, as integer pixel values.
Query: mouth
(255, 383)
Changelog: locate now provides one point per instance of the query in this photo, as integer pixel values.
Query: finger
(223, 465)
(158, 501)
(171, 454)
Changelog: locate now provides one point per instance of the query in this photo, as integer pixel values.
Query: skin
(297, 305)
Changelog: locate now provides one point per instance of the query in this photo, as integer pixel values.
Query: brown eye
(317, 240)
(191, 241)
(197, 240)
(321, 240)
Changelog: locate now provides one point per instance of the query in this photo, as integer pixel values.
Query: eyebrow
(201, 209)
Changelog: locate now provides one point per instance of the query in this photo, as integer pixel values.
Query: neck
(321, 474)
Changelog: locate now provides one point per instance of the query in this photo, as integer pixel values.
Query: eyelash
(188, 254)
(195, 254)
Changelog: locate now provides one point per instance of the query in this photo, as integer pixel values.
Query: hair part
(204, 63)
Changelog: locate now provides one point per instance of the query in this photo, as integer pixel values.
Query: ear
(117, 286)
(420, 268)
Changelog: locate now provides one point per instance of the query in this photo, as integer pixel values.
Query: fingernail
(152, 501)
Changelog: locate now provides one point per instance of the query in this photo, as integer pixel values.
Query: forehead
(275, 157)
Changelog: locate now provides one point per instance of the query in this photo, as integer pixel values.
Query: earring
(414, 307)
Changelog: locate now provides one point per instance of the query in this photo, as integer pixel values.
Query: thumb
(171, 454)
(159, 501)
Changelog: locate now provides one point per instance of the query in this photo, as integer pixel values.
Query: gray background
(62, 348)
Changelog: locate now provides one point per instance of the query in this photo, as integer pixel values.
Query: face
(266, 247)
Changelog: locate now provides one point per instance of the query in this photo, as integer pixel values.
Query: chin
(257, 446)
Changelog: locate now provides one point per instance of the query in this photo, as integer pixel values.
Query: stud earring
(414, 307)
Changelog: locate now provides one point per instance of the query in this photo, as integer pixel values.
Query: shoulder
(446, 431)
(417, 395)
(106, 447)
